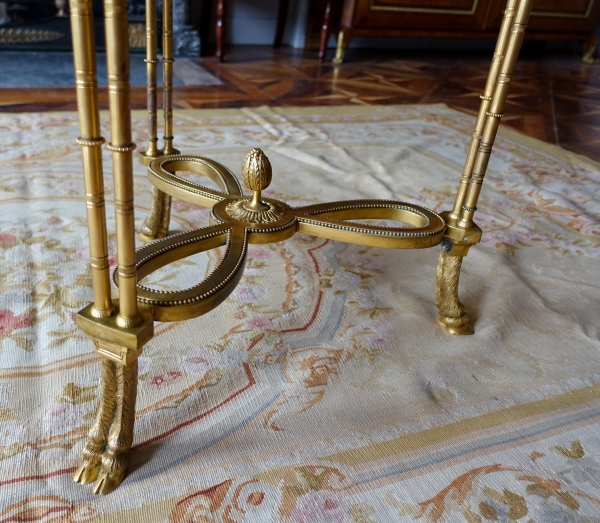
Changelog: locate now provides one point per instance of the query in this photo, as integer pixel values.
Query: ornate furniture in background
(43, 25)
(220, 27)
(120, 328)
(550, 20)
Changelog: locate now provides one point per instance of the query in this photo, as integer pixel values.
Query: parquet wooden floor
(553, 96)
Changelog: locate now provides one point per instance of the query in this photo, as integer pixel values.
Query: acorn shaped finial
(257, 171)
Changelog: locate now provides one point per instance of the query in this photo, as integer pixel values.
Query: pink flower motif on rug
(321, 506)
(249, 294)
(259, 323)
(6, 237)
(10, 322)
(259, 252)
(200, 360)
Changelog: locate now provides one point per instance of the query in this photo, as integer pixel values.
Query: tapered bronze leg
(114, 459)
(589, 50)
(157, 223)
(452, 312)
(343, 41)
(98, 435)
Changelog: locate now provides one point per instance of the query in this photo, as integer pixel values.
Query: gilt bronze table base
(120, 328)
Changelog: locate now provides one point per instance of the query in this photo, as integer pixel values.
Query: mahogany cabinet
(550, 20)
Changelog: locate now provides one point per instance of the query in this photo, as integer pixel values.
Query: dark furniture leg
(220, 29)
(281, 19)
(325, 30)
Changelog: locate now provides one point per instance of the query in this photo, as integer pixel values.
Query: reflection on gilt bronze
(120, 328)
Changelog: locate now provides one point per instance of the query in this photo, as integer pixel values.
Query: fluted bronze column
(84, 53)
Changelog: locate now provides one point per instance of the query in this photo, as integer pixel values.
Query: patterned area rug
(323, 389)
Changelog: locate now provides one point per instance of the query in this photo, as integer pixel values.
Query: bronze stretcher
(120, 328)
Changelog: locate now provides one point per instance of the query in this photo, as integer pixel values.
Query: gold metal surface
(117, 60)
(110, 331)
(104, 457)
(151, 60)
(255, 210)
(494, 111)
(12, 35)
(461, 231)
(426, 10)
(452, 312)
(486, 98)
(590, 50)
(257, 174)
(157, 222)
(84, 57)
(279, 221)
(168, 61)
(92, 453)
(340, 49)
(119, 330)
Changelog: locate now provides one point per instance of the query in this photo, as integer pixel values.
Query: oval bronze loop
(331, 220)
(210, 292)
(161, 173)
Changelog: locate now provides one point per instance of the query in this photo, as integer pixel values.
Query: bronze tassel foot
(452, 312)
(157, 224)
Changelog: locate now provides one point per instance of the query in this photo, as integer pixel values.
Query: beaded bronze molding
(236, 225)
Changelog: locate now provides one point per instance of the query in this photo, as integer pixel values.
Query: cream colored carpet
(323, 389)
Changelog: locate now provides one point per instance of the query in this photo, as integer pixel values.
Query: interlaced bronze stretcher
(120, 328)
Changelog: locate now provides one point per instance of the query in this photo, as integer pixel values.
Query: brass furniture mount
(120, 328)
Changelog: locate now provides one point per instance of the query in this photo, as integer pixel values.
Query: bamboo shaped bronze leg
(486, 97)
(91, 141)
(117, 59)
(98, 435)
(495, 113)
(157, 223)
(168, 61)
(151, 85)
(461, 232)
(115, 458)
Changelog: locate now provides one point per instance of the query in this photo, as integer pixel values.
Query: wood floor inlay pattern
(554, 96)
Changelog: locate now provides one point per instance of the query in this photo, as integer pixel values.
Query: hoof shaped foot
(87, 472)
(106, 483)
(459, 326)
(148, 235)
(112, 473)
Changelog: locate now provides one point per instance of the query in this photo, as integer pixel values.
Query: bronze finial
(257, 174)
